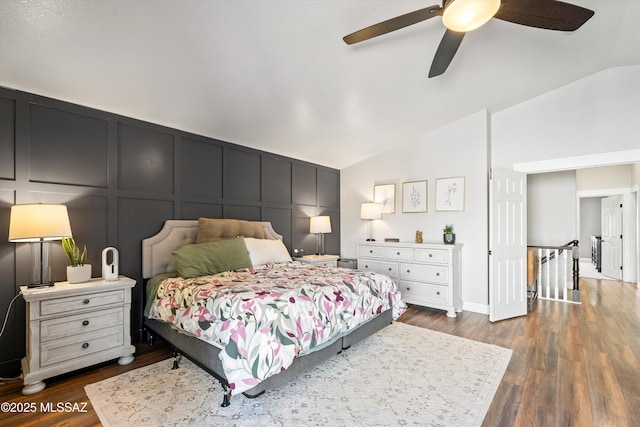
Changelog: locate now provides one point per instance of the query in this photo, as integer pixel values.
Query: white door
(612, 237)
(507, 244)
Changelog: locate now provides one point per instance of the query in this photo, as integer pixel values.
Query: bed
(226, 294)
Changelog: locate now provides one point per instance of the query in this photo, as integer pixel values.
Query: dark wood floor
(572, 365)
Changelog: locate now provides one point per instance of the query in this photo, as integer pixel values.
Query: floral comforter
(262, 318)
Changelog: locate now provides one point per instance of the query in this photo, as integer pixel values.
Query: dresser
(72, 326)
(428, 274)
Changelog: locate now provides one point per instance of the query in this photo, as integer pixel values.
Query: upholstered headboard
(156, 250)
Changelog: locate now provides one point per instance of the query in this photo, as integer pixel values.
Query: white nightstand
(325, 260)
(72, 326)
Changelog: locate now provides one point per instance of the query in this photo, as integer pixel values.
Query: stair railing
(553, 279)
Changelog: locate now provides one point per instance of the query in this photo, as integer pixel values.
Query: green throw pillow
(204, 259)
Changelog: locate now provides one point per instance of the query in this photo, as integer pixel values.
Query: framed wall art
(414, 196)
(385, 194)
(450, 193)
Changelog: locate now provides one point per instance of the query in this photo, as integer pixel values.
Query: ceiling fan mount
(461, 16)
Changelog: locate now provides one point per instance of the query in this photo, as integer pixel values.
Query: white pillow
(266, 251)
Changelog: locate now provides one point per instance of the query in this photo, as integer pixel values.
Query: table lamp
(370, 212)
(320, 225)
(39, 224)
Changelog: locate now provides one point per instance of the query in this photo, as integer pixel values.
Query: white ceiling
(276, 75)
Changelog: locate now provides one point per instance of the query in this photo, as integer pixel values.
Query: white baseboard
(476, 308)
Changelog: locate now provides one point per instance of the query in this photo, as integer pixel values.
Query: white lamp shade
(467, 15)
(371, 211)
(32, 222)
(320, 224)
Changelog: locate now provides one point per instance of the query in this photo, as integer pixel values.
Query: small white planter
(79, 274)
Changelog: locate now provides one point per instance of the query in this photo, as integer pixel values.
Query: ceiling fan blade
(546, 14)
(393, 24)
(446, 51)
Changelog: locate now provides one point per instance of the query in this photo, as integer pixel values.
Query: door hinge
(620, 267)
(620, 204)
(490, 253)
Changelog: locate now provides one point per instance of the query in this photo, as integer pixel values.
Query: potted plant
(449, 236)
(78, 271)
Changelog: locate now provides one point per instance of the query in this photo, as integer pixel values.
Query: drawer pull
(85, 345)
(397, 253)
(86, 301)
(370, 251)
(408, 288)
(438, 293)
(85, 322)
(437, 274)
(389, 268)
(408, 271)
(366, 266)
(430, 255)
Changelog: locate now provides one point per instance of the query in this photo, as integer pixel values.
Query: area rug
(402, 375)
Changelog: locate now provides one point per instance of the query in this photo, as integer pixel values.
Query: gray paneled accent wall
(121, 178)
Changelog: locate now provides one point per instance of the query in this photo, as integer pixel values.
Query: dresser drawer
(401, 254)
(424, 272)
(431, 255)
(388, 268)
(371, 251)
(81, 323)
(65, 349)
(81, 302)
(423, 291)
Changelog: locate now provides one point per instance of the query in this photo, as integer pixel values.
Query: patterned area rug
(401, 375)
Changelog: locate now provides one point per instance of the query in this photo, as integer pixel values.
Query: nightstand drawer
(64, 349)
(80, 302)
(388, 268)
(426, 272)
(423, 291)
(80, 323)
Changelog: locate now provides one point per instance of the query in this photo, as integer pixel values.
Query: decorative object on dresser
(450, 194)
(320, 225)
(449, 236)
(414, 196)
(418, 237)
(385, 194)
(78, 271)
(110, 269)
(429, 274)
(39, 224)
(72, 326)
(324, 260)
(370, 212)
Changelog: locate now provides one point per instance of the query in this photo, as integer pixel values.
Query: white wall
(609, 178)
(459, 149)
(590, 223)
(551, 208)
(598, 114)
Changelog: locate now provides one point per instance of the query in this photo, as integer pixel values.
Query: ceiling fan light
(467, 15)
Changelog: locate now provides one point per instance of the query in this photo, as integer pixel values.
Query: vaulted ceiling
(276, 75)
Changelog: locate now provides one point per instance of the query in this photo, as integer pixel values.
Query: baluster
(540, 272)
(556, 278)
(548, 281)
(564, 274)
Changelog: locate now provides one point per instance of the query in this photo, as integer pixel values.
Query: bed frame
(157, 259)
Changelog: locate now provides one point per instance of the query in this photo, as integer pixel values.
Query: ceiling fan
(460, 16)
